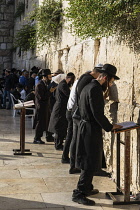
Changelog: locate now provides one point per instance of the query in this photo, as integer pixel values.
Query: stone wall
(6, 33)
(73, 54)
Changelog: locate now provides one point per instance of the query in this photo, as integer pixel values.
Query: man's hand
(52, 89)
(115, 127)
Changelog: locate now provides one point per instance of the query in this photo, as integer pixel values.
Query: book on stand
(24, 104)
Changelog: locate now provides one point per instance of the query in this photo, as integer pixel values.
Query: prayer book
(24, 104)
(127, 124)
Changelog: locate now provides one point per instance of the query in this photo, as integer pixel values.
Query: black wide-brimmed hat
(45, 72)
(110, 70)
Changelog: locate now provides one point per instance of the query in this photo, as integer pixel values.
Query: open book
(127, 124)
(24, 104)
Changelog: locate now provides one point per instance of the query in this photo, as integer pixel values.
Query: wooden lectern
(127, 172)
(22, 108)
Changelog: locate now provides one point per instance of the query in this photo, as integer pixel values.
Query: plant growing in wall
(98, 18)
(25, 38)
(19, 10)
(48, 18)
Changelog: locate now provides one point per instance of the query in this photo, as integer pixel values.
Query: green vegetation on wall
(26, 38)
(48, 20)
(19, 10)
(99, 18)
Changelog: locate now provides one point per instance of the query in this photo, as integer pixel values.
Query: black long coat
(42, 105)
(89, 146)
(58, 121)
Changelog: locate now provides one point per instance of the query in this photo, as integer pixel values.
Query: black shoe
(38, 141)
(59, 148)
(93, 192)
(66, 160)
(103, 173)
(74, 171)
(50, 139)
(83, 200)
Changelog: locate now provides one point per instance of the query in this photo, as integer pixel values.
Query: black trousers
(38, 131)
(73, 143)
(58, 140)
(69, 135)
(84, 185)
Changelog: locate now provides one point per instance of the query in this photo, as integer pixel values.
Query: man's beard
(105, 86)
(69, 84)
(48, 82)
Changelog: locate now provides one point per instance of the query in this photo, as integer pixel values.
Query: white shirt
(72, 96)
(23, 94)
(58, 78)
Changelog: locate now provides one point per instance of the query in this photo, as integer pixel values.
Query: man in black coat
(89, 146)
(58, 122)
(42, 106)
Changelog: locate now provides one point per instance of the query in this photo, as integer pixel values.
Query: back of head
(70, 75)
(46, 72)
(98, 67)
(59, 71)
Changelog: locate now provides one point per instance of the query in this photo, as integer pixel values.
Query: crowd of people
(71, 113)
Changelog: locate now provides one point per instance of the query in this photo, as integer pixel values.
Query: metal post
(22, 130)
(118, 162)
(127, 167)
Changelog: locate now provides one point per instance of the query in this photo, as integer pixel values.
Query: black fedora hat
(110, 70)
(45, 72)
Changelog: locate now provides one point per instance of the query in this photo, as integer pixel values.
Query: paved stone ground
(40, 181)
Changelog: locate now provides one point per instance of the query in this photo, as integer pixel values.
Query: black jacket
(58, 121)
(89, 142)
(42, 105)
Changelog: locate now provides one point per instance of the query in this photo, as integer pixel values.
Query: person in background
(7, 88)
(15, 78)
(70, 104)
(42, 106)
(21, 90)
(31, 82)
(58, 76)
(58, 121)
(23, 79)
(38, 77)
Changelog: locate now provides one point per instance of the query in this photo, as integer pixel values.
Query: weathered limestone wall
(73, 54)
(6, 33)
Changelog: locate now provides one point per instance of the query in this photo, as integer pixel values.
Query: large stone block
(4, 32)
(7, 8)
(7, 59)
(1, 39)
(3, 46)
(1, 59)
(8, 65)
(1, 16)
(11, 32)
(6, 24)
(9, 17)
(2, 1)
(9, 45)
(8, 39)
(5, 52)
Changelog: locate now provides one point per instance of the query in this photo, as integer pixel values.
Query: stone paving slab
(18, 186)
(21, 201)
(66, 201)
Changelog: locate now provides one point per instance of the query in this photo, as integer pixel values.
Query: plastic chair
(31, 115)
(13, 99)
